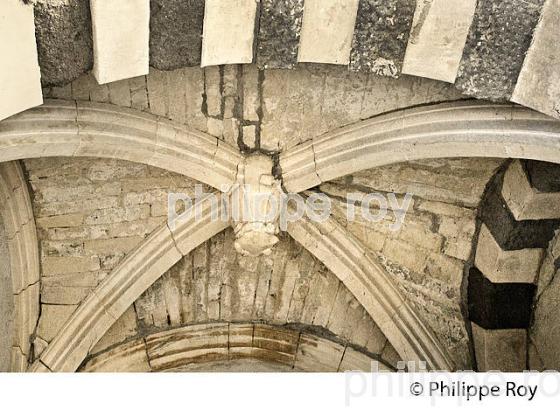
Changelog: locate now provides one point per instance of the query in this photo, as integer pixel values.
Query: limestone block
(510, 233)
(502, 350)
(358, 361)
(120, 39)
(55, 265)
(538, 83)
(318, 355)
(525, 201)
(240, 340)
(439, 33)
(53, 318)
(195, 344)
(129, 357)
(59, 295)
(251, 93)
(228, 33)
(327, 30)
(20, 76)
(499, 266)
(272, 344)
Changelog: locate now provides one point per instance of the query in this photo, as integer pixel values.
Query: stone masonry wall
(428, 254)
(215, 284)
(90, 213)
(544, 334)
(87, 228)
(255, 109)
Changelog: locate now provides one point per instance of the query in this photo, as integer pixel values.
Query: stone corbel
(255, 204)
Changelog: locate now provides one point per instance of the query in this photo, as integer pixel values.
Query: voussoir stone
(381, 36)
(279, 32)
(496, 46)
(176, 33)
(64, 39)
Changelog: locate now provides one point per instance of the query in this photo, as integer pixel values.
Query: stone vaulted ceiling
(334, 97)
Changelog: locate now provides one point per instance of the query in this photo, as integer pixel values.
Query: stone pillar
(519, 215)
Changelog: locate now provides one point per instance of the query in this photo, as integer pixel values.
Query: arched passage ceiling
(513, 126)
(300, 113)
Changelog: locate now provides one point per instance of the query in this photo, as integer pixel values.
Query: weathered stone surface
(120, 39)
(427, 254)
(279, 33)
(64, 40)
(228, 32)
(20, 85)
(236, 347)
(500, 350)
(315, 354)
(326, 34)
(128, 357)
(544, 176)
(381, 36)
(498, 40)
(289, 286)
(437, 39)
(545, 330)
(537, 86)
(520, 266)
(499, 305)
(6, 303)
(312, 99)
(526, 202)
(176, 33)
(509, 233)
(53, 318)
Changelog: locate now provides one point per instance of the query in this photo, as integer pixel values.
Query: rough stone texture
(545, 329)
(543, 176)
(6, 303)
(500, 266)
(381, 36)
(279, 32)
(498, 40)
(427, 255)
(244, 346)
(214, 283)
(499, 305)
(523, 200)
(176, 33)
(500, 350)
(285, 107)
(509, 233)
(85, 229)
(537, 85)
(64, 40)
